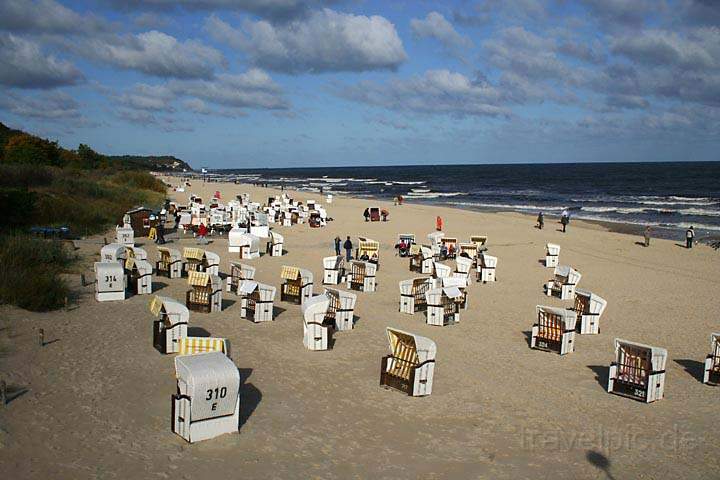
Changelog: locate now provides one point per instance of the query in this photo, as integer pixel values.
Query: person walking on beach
(348, 248)
(160, 232)
(541, 220)
(366, 214)
(689, 236)
(202, 234)
(564, 220)
(648, 231)
(337, 245)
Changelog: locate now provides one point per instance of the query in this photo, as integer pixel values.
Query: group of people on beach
(565, 220)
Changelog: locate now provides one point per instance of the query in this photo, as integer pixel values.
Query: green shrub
(30, 277)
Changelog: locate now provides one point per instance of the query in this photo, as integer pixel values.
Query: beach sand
(97, 403)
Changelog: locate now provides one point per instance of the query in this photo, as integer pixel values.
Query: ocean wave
(433, 194)
(700, 212)
(508, 206)
(409, 183)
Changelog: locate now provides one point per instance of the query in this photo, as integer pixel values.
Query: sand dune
(97, 403)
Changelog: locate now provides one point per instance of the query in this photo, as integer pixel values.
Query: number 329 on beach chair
(410, 367)
(207, 403)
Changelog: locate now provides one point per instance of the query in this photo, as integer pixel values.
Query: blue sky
(281, 83)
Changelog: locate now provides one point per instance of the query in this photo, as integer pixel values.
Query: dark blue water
(666, 195)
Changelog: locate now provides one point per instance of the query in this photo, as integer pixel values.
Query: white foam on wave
(409, 183)
(433, 194)
(509, 206)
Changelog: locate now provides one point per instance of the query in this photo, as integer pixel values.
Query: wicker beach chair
(256, 301)
(139, 274)
(486, 267)
(171, 323)
(552, 255)
(362, 276)
(110, 281)
(589, 307)
(317, 334)
(638, 371)
(238, 272)
(563, 283)
(275, 245)
(341, 309)
(170, 262)
(298, 285)
(205, 294)
(333, 270)
(443, 306)
(412, 294)
(410, 367)
(207, 403)
(711, 374)
(554, 330)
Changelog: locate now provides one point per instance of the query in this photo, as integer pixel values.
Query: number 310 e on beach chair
(207, 403)
(410, 367)
(638, 371)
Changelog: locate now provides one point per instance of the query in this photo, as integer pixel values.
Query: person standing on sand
(348, 248)
(202, 234)
(366, 214)
(337, 245)
(564, 220)
(648, 231)
(689, 236)
(541, 220)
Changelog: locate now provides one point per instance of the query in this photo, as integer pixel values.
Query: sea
(668, 196)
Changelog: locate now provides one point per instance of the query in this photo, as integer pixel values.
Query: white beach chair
(638, 371)
(205, 293)
(370, 249)
(298, 285)
(256, 301)
(207, 403)
(486, 267)
(170, 262)
(410, 367)
(113, 252)
(341, 308)
(552, 255)
(333, 270)
(589, 307)
(440, 270)
(412, 294)
(125, 235)
(238, 271)
(275, 245)
(109, 281)
(139, 274)
(564, 282)
(362, 276)
(711, 374)
(317, 335)
(443, 306)
(459, 281)
(171, 324)
(554, 330)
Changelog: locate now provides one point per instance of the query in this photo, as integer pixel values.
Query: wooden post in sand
(41, 337)
(3, 393)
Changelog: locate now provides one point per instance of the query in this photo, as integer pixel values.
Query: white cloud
(435, 25)
(46, 16)
(24, 65)
(435, 92)
(325, 41)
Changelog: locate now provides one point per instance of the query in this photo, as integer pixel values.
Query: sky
(301, 83)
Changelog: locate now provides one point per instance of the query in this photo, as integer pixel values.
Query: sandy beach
(94, 402)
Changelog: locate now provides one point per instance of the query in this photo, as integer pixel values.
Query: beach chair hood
(658, 356)
(204, 374)
(568, 317)
(424, 348)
